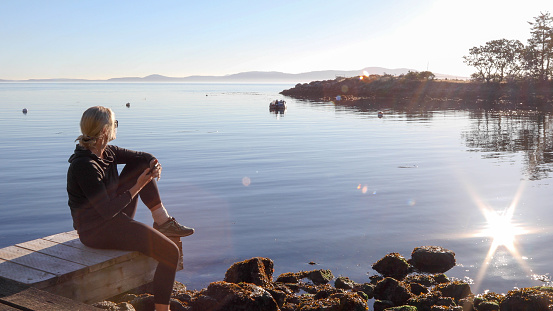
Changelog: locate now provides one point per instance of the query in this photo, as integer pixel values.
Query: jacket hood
(80, 152)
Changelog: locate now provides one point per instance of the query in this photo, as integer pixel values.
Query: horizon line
(160, 76)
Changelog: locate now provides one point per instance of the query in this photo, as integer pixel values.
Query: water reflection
(496, 134)
(277, 112)
(379, 109)
(528, 132)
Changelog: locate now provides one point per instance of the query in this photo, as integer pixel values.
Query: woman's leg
(151, 198)
(124, 233)
(149, 194)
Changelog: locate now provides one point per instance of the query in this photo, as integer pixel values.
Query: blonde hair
(93, 122)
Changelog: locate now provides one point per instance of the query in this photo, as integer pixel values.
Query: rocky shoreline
(407, 90)
(414, 284)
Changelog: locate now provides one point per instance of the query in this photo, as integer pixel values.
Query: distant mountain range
(252, 77)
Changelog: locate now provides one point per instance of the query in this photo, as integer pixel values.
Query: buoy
(25, 110)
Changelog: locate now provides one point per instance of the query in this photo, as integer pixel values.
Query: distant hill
(252, 77)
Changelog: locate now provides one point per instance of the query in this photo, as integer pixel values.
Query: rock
(289, 277)
(456, 290)
(326, 291)
(363, 295)
(375, 279)
(381, 305)
(393, 290)
(488, 306)
(184, 297)
(422, 279)
(344, 283)
(352, 302)
(402, 308)
(446, 308)
(467, 303)
(392, 265)
(105, 305)
(440, 278)
(366, 288)
(125, 306)
(279, 296)
(526, 299)
(204, 303)
(432, 259)
(320, 276)
(258, 271)
(143, 302)
(425, 301)
(225, 296)
(445, 302)
(176, 305)
(417, 289)
(336, 302)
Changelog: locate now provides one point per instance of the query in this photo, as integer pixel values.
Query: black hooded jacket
(92, 185)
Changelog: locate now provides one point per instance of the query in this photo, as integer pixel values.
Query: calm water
(321, 182)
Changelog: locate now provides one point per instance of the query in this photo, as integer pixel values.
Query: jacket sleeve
(89, 178)
(124, 156)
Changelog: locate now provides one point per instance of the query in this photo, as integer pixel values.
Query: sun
(501, 229)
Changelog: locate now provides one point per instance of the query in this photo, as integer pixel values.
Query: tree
(417, 76)
(496, 60)
(539, 54)
(479, 59)
(427, 75)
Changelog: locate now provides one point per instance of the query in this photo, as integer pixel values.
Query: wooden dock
(16, 296)
(60, 264)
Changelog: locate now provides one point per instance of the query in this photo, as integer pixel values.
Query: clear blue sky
(106, 39)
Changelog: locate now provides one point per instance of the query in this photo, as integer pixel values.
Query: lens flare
(501, 229)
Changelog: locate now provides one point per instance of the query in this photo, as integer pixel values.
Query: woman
(103, 203)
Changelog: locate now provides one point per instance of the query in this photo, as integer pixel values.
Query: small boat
(277, 105)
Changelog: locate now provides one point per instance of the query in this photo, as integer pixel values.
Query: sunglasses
(116, 124)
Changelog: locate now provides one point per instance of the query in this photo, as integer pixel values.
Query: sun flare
(502, 231)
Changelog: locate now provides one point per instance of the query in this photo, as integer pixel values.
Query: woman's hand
(155, 169)
(141, 181)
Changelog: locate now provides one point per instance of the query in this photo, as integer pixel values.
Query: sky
(84, 39)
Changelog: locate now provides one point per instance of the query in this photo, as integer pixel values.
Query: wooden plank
(4, 307)
(71, 238)
(63, 237)
(24, 274)
(82, 257)
(108, 282)
(40, 261)
(21, 297)
(94, 259)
